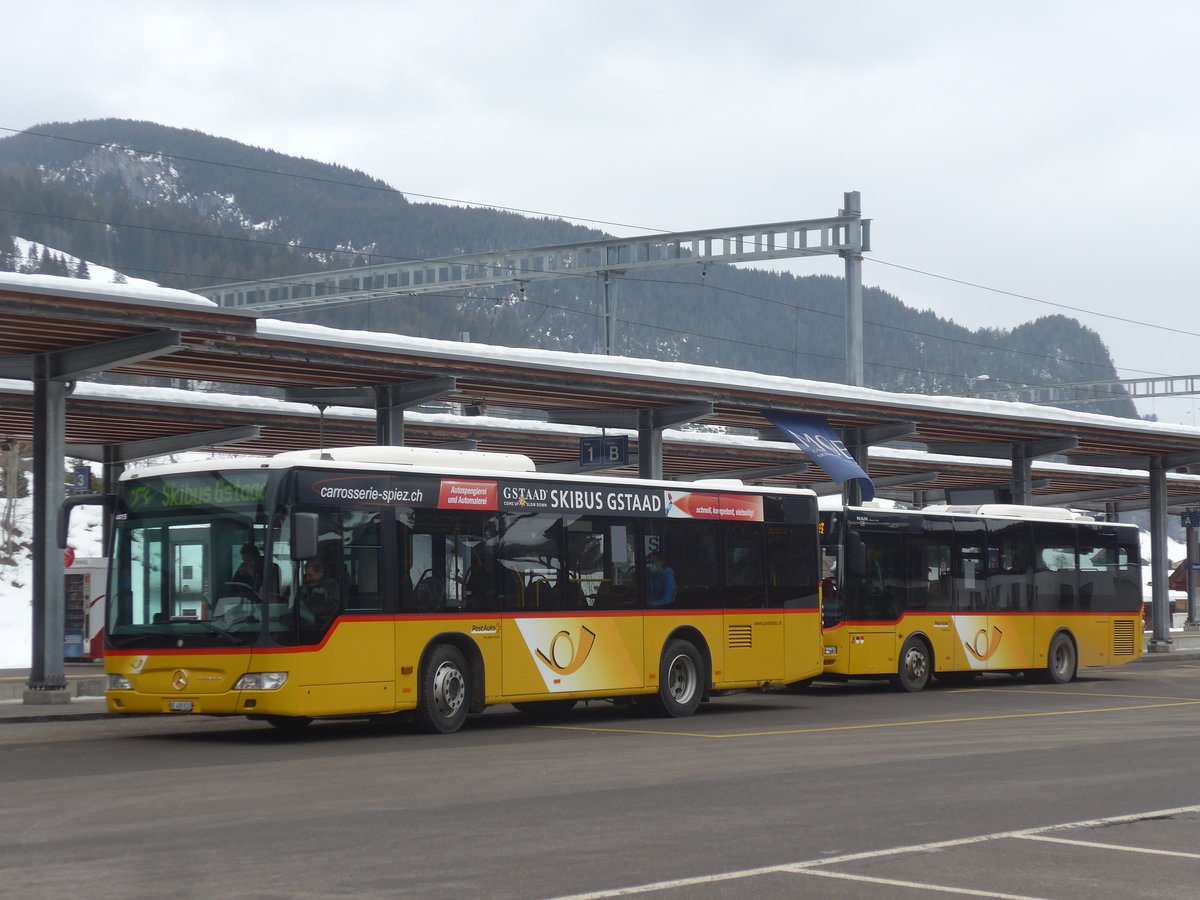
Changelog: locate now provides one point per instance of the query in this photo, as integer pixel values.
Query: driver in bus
(250, 572)
(253, 569)
(318, 601)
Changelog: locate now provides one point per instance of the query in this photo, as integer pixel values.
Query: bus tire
(680, 680)
(443, 691)
(546, 707)
(915, 666)
(1061, 660)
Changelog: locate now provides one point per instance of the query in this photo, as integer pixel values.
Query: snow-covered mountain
(189, 210)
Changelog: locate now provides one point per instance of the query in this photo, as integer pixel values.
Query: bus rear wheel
(1061, 661)
(916, 665)
(442, 691)
(680, 682)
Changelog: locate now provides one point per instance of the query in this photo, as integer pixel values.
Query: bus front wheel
(443, 691)
(916, 665)
(680, 683)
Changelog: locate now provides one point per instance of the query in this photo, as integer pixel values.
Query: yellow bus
(377, 581)
(954, 591)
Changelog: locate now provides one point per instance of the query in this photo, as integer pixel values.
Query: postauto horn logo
(562, 656)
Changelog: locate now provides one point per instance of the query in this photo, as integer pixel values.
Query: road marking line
(809, 866)
(834, 728)
(919, 885)
(1099, 846)
(1066, 693)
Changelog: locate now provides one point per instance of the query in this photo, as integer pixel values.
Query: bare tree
(15, 469)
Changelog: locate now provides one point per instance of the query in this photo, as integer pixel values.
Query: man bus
(449, 581)
(954, 591)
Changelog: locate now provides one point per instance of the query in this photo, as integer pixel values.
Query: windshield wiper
(214, 629)
(128, 640)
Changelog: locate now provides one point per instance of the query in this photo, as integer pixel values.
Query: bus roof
(1011, 511)
(435, 461)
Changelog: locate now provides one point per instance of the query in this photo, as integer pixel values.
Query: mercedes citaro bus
(376, 581)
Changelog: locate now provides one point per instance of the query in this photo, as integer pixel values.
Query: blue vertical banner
(820, 443)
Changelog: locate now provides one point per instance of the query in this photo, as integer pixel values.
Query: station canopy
(306, 385)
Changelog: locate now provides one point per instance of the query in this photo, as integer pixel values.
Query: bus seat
(570, 593)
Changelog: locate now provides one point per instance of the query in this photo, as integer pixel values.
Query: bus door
(190, 576)
(573, 593)
(1010, 636)
(930, 599)
(336, 609)
(874, 594)
(976, 640)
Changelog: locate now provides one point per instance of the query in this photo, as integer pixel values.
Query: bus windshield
(191, 566)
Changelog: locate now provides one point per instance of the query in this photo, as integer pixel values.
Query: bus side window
(360, 561)
(792, 576)
(743, 565)
(1056, 577)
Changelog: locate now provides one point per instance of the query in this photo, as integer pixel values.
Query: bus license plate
(180, 706)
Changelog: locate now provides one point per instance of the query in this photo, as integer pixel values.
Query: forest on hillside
(189, 210)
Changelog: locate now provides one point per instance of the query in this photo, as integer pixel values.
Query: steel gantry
(847, 235)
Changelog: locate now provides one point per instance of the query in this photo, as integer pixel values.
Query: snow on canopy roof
(717, 379)
(95, 290)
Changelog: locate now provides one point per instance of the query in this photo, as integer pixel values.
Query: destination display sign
(227, 490)
(513, 495)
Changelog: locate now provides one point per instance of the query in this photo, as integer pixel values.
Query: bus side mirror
(305, 531)
(108, 501)
(856, 555)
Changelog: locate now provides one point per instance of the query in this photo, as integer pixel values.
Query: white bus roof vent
(1013, 511)
(432, 457)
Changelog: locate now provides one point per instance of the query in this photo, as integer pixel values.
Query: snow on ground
(16, 614)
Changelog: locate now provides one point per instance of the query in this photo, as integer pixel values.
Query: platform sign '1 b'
(603, 452)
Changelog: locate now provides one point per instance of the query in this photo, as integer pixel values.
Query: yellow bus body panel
(982, 642)
(371, 666)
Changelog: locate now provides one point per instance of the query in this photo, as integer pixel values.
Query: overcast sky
(1041, 149)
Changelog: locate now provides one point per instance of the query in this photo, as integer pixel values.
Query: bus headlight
(831, 651)
(119, 683)
(261, 681)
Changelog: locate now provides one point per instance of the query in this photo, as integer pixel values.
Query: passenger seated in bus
(318, 601)
(661, 581)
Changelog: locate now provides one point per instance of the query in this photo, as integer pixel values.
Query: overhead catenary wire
(704, 283)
